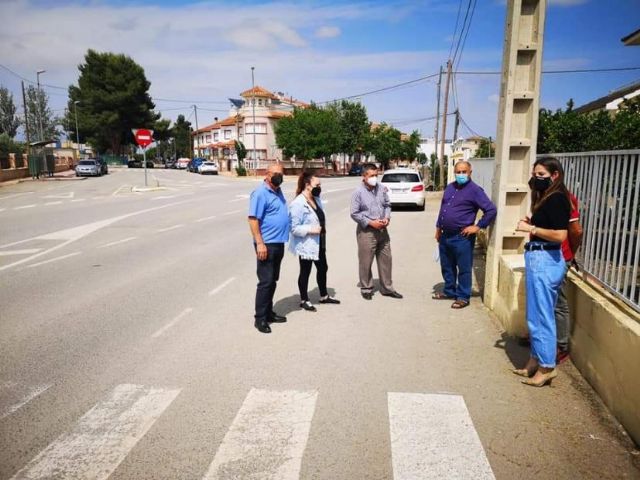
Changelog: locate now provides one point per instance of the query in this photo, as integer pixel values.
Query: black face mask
(276, 179)
(540, 184)
(315, 191)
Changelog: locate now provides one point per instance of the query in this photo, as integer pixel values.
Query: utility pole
(444, 124)
(253, 110)
(489, 146)
(75, 105)
(26, 118)
(195, 111)
(435, 136)
(38, 113)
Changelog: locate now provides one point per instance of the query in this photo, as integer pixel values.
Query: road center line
(117, 242)
(173, 227)
(54, 203)
(233, 212)
(204, 219)
(26, 251)
(78, 200)
(24, 206)
(30, 394)
(51, 260)
(221, 287)
(180, 316)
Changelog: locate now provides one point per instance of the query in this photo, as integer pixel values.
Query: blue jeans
(544, 273)
(456, 263)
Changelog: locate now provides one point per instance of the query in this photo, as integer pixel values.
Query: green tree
(312, 132)
(43, 124)
(410, 146)
(626, 125)
(241, 152)
(113, 98)
(385, 143)
(9, 121)
(354, 126)
(162, 135)
(181, 132)
(9, 145)
(485, 149)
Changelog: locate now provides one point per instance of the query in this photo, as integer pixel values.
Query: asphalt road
(127, 351)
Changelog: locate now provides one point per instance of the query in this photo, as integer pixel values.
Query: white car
(208, 167)
(182, 163)
(405, 187)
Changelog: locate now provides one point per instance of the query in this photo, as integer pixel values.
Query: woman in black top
(308, 240)
(544, 266)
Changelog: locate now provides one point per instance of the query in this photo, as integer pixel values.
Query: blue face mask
(462, 178)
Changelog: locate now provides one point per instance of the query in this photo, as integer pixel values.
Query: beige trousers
(374, 243)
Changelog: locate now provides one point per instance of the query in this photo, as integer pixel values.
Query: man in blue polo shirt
(269, 223)
(456, 230)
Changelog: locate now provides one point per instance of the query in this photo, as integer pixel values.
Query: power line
(30, 81)
(189, 101)
(455, 30)
(473, 9)
(464, 25)
(585, 70)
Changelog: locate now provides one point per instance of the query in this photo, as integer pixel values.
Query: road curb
(147, 189)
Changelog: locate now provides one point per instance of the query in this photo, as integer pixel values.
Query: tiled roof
(257, 91)
(278, 114)
(231, 120)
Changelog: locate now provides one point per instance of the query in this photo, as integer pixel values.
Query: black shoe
(275, 318)
(329, 299)
(262, 327)
(308, 306)
(392, 295)
(367, 295)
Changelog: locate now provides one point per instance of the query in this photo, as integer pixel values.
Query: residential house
(465, 148)
(633, 39)
(612, 101)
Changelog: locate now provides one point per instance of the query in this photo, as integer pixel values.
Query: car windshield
(210, 164)
(87, 162)
(400, 177)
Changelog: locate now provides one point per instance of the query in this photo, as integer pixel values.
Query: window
(262, 154)
(227, 134)
(207, 139)
(261, 128)
(259, 102)
(215, 136)
(400, 177)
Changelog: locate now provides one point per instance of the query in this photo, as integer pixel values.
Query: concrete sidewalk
(58, 176)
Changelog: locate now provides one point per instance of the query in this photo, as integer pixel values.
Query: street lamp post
(253, 109)
(75, 105)
(38, 113)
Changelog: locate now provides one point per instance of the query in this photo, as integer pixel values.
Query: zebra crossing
(431, 436)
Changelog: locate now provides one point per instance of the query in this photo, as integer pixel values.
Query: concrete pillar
(516, 150)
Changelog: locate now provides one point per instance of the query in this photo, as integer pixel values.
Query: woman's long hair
(552, 165)
(303, 180)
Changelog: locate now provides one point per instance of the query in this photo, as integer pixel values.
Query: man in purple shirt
(456, 230)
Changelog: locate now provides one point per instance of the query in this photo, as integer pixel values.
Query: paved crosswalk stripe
(267, 438)
(26, 251)
(102, 437)
(55, 259)
(117, 242)
(432, 437)
(14, 396)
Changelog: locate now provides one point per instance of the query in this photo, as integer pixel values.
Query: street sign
(143, 136)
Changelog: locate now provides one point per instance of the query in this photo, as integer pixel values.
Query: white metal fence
(607, 185)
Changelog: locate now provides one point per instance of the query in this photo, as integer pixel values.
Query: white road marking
(331, 190)
(432, 437)
(180, 316)
(233, 212)
(24, 206)
(10, 390)
(97, 198)
(67, 195)
(117, 242)
(163, 197)
(173, 227)
(103, 437)
(221, 287)
(78, 200)
(267, 438)
(204, 219)
(118, 190)
(72, 234)
(26, 251)
(2, 209)
(54, 203)
(56, 259)
(11, 195)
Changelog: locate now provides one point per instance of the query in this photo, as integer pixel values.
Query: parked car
(138, 164)
(170, 164)
(194, 164)
(182, 163)
(89, 167)
(406, 187)
(104, 168)
(355, 170)
(210, 168)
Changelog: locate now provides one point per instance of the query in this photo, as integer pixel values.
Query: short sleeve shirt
(270, 208)
(553, 214)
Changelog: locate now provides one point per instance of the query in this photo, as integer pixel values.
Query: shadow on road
(289, 304)
(515, 350)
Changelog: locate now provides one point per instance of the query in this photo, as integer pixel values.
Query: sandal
(458, 304)
(441, 296)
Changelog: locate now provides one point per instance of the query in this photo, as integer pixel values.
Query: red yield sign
(143, 137)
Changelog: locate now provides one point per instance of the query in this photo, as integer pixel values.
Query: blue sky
(316, 50)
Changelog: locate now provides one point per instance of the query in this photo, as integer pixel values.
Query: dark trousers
(321, 275)
(268, 275)
(456, 264)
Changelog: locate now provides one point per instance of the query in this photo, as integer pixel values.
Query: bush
(241, 171)
(8, 145)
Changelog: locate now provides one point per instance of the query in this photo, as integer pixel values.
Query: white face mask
(372, 181)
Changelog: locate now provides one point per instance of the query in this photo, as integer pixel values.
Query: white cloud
(327, 32)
